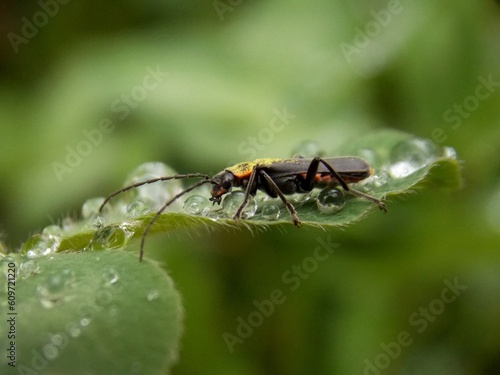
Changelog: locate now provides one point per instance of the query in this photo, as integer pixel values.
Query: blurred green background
(197, 85)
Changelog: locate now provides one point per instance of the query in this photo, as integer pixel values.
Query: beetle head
(221, 184)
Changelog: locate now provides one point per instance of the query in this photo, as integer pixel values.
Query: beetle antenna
(150, 181)
(206, 179)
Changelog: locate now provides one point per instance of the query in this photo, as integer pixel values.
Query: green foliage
(418, 69)
(93, 312)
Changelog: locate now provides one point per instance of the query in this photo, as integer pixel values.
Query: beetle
(274, 176)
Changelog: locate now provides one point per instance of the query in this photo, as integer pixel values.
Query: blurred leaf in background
(94, 89)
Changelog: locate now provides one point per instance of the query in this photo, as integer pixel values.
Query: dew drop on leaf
(300, 199)
(110, 276)
(153, 294)
(111, 237)
(271, 212)
(196, 205)
(55, 289)
(98, 222)
(136, 208)
(90, 208)
(232, 202)
(331, 200)
(411, 155)
(28, 269)
(156, 194)
(40, 245)
(54, 230)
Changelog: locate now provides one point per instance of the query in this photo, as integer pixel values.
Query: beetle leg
(378, 202)
(252, 181)
(276, 189)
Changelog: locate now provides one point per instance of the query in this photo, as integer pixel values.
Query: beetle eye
(227, 181)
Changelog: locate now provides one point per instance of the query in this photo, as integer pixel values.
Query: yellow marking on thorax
(245, 168)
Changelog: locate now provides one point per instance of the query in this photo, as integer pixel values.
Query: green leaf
(92, 313)
(401, 163)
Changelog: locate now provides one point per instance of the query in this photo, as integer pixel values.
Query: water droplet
(111, 237)
(40, 245)
(54, 290)
(110, 276)
(306, 149)
(155, 194)
(68, 276)
(411, 155)
(261, 197)
(376, 180)
(449, 152)
(54, 230)
(196, 205)
(90, 208)
(28, 269)
(68, 223)
(136, 208)
(271, 212)
(50, 351)
(369, 155)
(380, 178)
(153, 294)
(233, 201)
(216, 214)
(331, 200)
(300, 199)
(98, 222)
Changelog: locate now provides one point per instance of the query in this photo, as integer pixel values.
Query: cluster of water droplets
(404, 159)
(40, 245)
(150, 196)
(56, 288)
